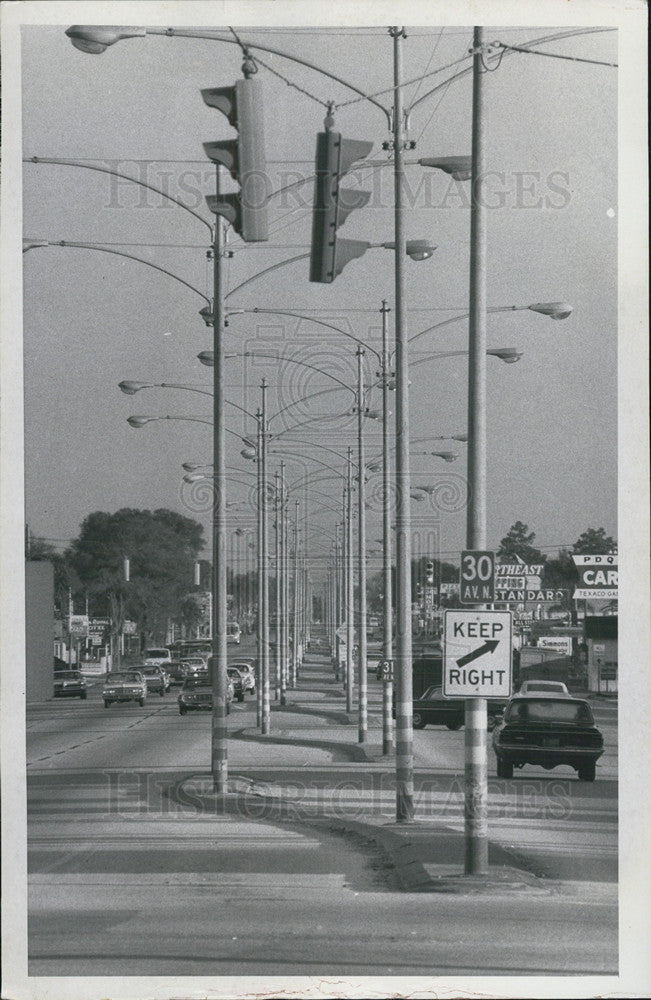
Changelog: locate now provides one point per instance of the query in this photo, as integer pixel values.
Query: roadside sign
(599, 577)
(560, 643)
(78, 625)
(477, 654)
(477, 577)
(385, 670)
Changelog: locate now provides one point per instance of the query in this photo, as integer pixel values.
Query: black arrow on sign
(489, 647)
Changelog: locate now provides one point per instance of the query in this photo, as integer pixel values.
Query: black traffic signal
(244, 157)
(429, 573)
(333, 205)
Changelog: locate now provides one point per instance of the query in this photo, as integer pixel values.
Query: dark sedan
(435, 710)
(176, 672)
(70, 684)
(196, 695)
(547, 730)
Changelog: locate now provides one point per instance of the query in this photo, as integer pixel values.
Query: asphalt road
(132, 873)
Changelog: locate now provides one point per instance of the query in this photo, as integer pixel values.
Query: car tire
(587, 771)
(106, 703)
(228, 709)
(141, 702)
(161, 692)
(455, 724)
(84, 696)
(418, 721)
(182, 710)
(240, 696)
(504, 768)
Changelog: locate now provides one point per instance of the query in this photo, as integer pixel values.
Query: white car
(157, 656)
(538, 687)
(233, 633)
(248, 673)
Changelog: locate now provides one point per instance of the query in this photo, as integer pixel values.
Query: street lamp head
(447, 456)
(96, 38)
(509, 355)
(416, 496)
(207, 358)
(555, 310)
(459, 167)
(206, 315)
(372, 414)
(131, 388)
(416, 249)
(140, 421)
(249, 452)
(194, 477)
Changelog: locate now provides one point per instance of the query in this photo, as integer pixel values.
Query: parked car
(176, 672)
(158, 655)
(547, 729)
(237, 680)
(233, 633)
(196, 695)
(435, 710)
(154, 678)
(247, 670)
(70, 684)
(550, 687)
(124, 685)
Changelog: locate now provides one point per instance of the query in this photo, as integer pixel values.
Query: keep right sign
(477, 654)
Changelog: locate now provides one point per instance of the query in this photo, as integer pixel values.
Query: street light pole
(350, 625)
(263, 624)
(297, 600)
(219, 743)
(279, 692)
(387, 647)
(476, 762)
(404, 686)
(282, 575)
(361, 553)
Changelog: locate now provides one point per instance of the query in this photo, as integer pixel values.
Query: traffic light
(333, 205)
(244, 157)
(429, 573)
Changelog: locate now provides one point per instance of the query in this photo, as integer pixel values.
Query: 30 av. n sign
(477, 577)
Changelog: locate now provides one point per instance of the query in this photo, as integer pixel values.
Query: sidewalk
(427, 854)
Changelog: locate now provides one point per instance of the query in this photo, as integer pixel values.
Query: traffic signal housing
(243, 157)
(333, 204)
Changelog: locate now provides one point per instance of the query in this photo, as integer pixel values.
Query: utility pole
(361, 552)
(387, 644)
(350, 625)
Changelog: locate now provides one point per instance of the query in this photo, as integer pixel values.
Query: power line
(555, 55)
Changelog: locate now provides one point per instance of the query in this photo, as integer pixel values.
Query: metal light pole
(219, 741)
(297, 600)
(282, 575)
(348, 567)
(260, 433)
(476, 763)
(279, 693)
(403, 681)
(263, 626)
(387, 645)
(361, 553)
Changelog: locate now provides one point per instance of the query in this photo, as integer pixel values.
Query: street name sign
(477, 654)
(477, 577)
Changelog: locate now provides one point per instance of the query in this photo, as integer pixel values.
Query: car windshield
(150, 671)
(431, 693)
(159, 653)
(196, 682)
(549, 710)
(68, 675)
(122, 678)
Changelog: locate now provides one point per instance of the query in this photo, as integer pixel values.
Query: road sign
(477, 577)
(477, 654)
(560, 643)
(385, 670)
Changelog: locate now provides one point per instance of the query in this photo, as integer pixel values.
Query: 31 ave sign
(477, 654)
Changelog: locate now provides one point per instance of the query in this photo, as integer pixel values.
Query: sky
(93, 319)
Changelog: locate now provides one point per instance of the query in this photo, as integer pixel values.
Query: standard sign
(477, 654)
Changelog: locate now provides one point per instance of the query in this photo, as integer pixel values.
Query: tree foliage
(594, 541)
(518, 542)
(161, 547)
